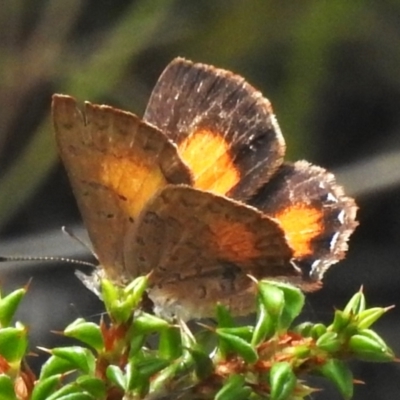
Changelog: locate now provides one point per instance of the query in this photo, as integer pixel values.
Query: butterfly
(197, 192)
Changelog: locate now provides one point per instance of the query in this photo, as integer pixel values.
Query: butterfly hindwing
(200, 248)
(315, 214)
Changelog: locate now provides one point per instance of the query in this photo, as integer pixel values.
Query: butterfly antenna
(72, 235)
(59, 259)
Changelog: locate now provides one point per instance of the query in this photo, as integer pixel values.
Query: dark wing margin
(313, 210)
(224, 128)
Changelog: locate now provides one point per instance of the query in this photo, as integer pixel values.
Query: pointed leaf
(132, 377)
(7, 388)
(282, 381)
(329, 341)
(136, 289)
(94, 386)
(356, 304)
(245, 332)
(224, 317)
(304, 329)
(264, 326)
(203, 365)
(115, 375)
(13, 343)
(294, 303)
(110, 295)
(147, 323)
(56, 366)
(234, 389)
(340, 321)
(272, 298)
(151, 366)
(368, 317)
(170, 344)
(340, 375)
(238, 345)
(9, 306)
(81, 358)
(318, 330)
(369, 346)
(136, 344)
(87, 332)
(45, 387)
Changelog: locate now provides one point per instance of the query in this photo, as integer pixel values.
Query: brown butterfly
(198, 193)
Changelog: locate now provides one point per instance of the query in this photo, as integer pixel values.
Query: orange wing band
(207, 155)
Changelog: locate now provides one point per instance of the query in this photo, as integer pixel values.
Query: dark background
(330, 68)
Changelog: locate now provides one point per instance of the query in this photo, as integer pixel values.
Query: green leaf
(9, 306)
(301, 351)
(234, 389)
(76, 396)
(71, 392)
(45, 387)
(318, 330)
(368, 317)
(304, 329)
(329, 341)
(132, 378)
(116, 375)
(340, 375)
(170, 343)
(340, 321)
(203, 365)
(136, 344)
(94, 386)
(282, 381)
(136, 290)
(118, 303)
(224, 317)
(82, 359)
(110, 295)
(68, 391)
(7, 388)
(151, 366)
(13, 343)
(369, 346)
(272, 299)
(161, 381)
(87, 332)
(55, 366)
(238, 345)
(147, 323)
(245, 332)
(294, 303)
(372, 335)
(356, 304)
(264, 326)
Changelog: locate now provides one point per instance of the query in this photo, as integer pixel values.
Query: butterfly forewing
(115, 163)
(225, 130)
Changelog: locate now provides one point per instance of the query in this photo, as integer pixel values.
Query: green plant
(267, 360)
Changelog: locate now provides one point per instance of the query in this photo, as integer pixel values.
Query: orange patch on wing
(131, 179)
(207, 155)
(235, 243)
(301, 225)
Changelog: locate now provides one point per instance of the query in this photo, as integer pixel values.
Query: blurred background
(330, 68)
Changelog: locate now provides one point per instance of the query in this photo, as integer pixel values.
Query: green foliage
(248, 362)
